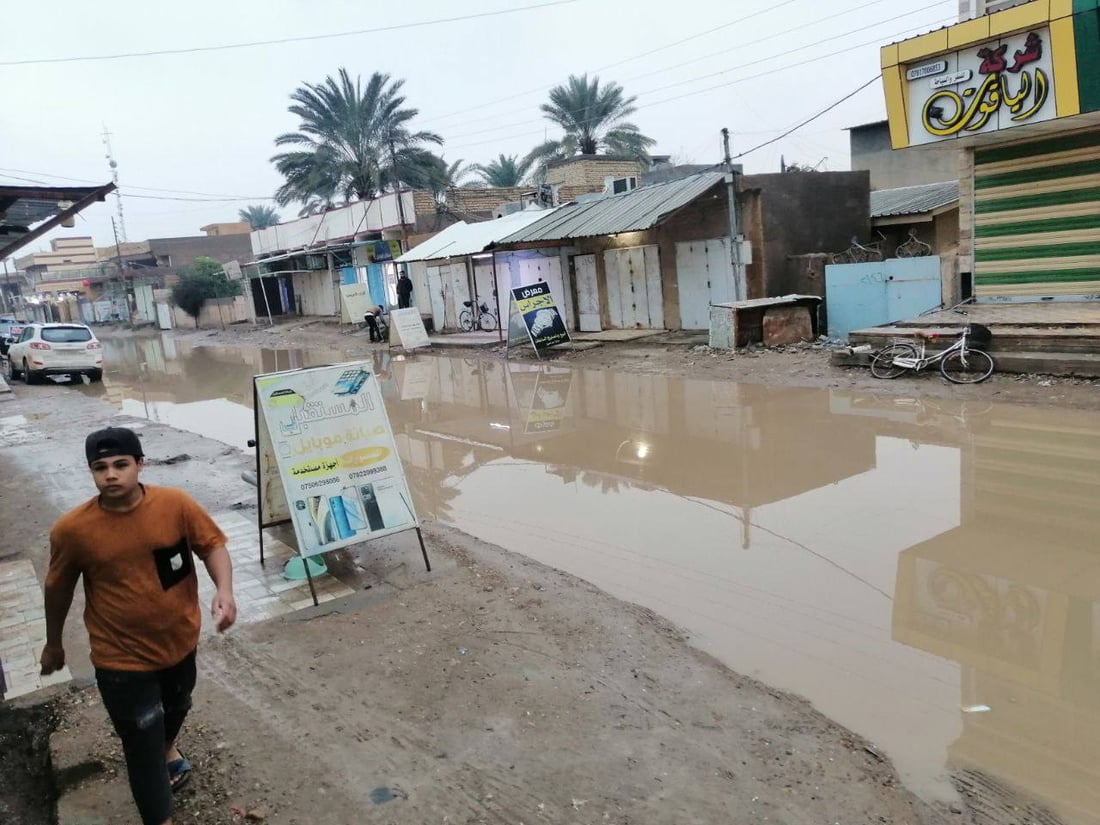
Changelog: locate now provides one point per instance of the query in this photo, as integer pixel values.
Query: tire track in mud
(286, 703)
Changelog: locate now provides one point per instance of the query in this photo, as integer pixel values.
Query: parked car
(10, 329)
(55, 349)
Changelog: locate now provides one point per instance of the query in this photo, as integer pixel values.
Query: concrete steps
(1078, 364)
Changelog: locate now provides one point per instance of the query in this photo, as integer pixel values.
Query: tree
(593, 119)
(259, 217)
(505, 171)
(348, 141)
(204, 279)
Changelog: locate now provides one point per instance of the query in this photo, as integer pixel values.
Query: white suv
(55, 349)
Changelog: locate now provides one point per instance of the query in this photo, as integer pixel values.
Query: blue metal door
(867, 295)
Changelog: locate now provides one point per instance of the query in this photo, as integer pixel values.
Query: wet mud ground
(493, 689)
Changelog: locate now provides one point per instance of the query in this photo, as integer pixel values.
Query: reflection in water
(893, 560)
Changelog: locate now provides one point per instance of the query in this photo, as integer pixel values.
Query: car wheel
(29, 376)
(95, 375)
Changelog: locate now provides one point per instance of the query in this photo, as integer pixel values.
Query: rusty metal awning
(28, 212)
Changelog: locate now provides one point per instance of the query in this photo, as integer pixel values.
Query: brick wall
(589, 171)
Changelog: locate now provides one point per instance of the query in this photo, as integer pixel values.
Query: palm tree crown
(505, 171)
(348, 141)
(258, 217)
(593, 119)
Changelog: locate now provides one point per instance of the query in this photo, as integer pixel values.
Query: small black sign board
(534, 311)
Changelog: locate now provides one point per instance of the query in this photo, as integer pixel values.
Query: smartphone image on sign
(373, 512)
(311, 536)
(351, 381)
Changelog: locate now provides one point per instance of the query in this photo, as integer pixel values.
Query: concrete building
(228, 228)
(871, 151)
(658, 256)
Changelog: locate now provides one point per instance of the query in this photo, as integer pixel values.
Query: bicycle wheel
(487, 321)
(973, 367)
(883, 365)
(465, 320)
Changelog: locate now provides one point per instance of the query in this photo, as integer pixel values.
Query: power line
(283, 40)
(727, 70)
(128, 187)
(630, 59)
(715, 87)
(810, 119)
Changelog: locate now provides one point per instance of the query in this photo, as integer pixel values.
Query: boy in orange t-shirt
(134, 546)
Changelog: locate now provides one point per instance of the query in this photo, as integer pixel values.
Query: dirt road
(491, 690)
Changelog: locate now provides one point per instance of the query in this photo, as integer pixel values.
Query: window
(976, 8)
(620, 185)
(66, 335)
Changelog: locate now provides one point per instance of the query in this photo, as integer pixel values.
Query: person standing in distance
(134, 545)
(404, 291)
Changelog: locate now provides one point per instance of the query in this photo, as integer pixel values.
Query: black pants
(372, 324)
(147, 709)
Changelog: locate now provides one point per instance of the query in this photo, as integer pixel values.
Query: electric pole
(113, 164)
(121, 274)
(740, 282)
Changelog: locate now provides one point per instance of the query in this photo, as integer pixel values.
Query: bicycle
(485, 320)
(960, 363)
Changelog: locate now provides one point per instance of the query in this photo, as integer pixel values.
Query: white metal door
(654, 294)
(588, 294)
(438, 296)
(459, 292)
(634, 288)
(705, 276)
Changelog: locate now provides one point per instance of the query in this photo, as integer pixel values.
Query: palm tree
(259, 217)
(593, 119)
(349, 140)
(505, 171)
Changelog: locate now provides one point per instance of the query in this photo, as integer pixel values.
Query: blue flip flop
(179, 773)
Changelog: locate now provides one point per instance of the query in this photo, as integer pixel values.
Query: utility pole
(400, 205)
(9, 300)
(740, 283)
(121, 274)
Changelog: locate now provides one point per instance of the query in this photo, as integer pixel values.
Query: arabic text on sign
(983, 104)
(951, 79)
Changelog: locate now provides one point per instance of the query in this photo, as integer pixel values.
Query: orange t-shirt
(140, 588)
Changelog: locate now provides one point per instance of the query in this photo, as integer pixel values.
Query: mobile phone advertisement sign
(534, 310)
(335, 454)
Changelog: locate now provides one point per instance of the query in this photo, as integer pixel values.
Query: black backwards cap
(112, 441)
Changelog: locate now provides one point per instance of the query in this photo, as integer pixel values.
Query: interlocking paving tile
(23, 630)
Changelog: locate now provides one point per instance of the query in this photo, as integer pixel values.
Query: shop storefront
(1018, 93)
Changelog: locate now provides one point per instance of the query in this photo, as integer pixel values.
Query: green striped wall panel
(1037, 218)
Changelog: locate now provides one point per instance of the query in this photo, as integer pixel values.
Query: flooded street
(924, 572)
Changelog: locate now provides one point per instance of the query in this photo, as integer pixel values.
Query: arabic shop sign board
(533, 314)
(982, 89)
(355, 300)
(408, 327)
(335, 454)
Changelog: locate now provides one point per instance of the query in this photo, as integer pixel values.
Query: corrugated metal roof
(461, 239)
(629, 212)
(913, 200)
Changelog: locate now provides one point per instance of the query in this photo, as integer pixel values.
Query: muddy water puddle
(925, 572)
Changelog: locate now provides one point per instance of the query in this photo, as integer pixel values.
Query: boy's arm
(60, 585)
(224, 607)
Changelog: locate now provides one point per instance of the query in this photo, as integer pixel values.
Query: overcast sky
(205, 121)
